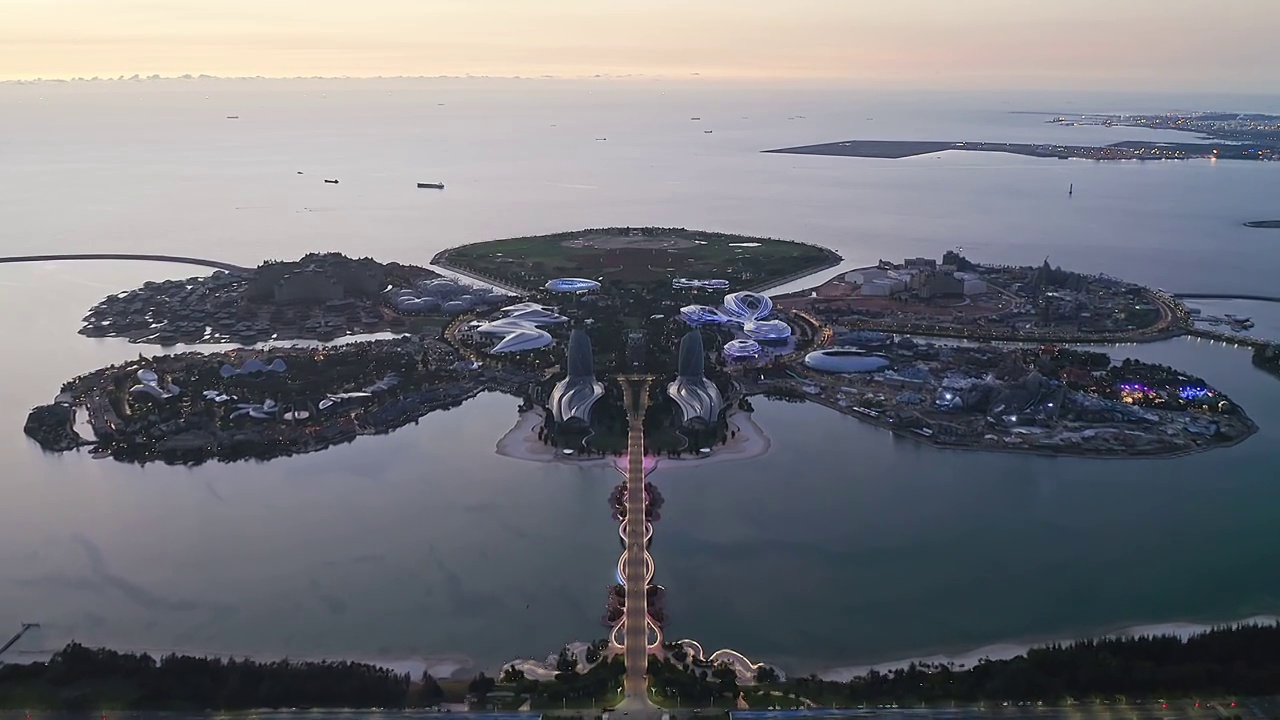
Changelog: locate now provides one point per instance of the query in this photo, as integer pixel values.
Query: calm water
(843, 546)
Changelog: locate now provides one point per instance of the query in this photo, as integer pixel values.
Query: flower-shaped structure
(746, 306)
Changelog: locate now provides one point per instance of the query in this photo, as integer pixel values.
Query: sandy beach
(521, 443)
(749, 442)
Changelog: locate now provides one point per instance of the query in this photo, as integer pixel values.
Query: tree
(766, 675)
(481, 686)
(727, 678)
(512, 675)
(567, 662)
(430, 693)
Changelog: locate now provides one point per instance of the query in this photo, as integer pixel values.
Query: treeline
(1243, 661)
(81, 678)
(1239, 661)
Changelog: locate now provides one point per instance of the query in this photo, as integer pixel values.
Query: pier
(1216, 296)
(179, 259)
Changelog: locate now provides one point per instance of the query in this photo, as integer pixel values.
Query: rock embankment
(53, 426)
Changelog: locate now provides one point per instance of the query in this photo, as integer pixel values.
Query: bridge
(636, 560)
(1230, 338)
(180, 259)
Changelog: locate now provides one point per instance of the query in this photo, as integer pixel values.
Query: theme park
(631, 348)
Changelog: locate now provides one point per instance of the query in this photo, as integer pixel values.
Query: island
(1261, 130)
(1123, 150)
(638, 257)
(1239, 136)
(257, 404)
(671, 319)
(1264, 224)
(321, 296)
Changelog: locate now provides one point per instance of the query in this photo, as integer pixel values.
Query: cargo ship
(432, 186)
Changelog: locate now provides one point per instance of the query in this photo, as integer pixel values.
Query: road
(1179, 711)
(215, 264)
(635, 392)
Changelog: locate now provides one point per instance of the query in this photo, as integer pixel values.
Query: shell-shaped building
(573, 397)
(698, 398)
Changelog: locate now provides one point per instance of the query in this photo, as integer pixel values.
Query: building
(573, 397)
(845, 360)
(698, 398)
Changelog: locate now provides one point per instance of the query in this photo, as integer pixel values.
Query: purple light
(1194, 393)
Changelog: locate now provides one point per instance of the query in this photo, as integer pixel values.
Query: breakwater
(145, 257)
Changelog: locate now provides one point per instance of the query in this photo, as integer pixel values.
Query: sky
(1115, 44)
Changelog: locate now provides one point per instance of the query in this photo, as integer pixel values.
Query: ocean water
(843, 546)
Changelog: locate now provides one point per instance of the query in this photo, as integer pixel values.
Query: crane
(16, 638)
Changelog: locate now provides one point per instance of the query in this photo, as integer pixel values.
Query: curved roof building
(698, 398)
(746, 306)
(572, 285)
(767, 330)
(516, 335)
(844, 360)
(573, 397)
(692, 283)
(702, 315)
(741, 348)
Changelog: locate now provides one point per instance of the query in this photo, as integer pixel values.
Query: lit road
(1179, 711)
(635, 392)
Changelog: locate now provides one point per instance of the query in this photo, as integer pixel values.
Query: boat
(233, 117)
(708, 132)
(331, 182)
(695, 118)
(433, 186)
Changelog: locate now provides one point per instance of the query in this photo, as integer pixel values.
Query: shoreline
(751, 442)
(521, 443)
(1065, 452)
(456, 666)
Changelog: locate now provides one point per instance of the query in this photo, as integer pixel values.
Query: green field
(638, 257)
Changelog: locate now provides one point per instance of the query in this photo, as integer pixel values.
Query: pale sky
(1164, 44)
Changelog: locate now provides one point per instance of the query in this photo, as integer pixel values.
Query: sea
(843, 547)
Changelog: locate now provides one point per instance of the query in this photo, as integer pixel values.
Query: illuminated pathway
(635, 559)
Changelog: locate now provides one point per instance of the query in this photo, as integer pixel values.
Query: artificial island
(636, 347)
(584, 309)
(1222, 136)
